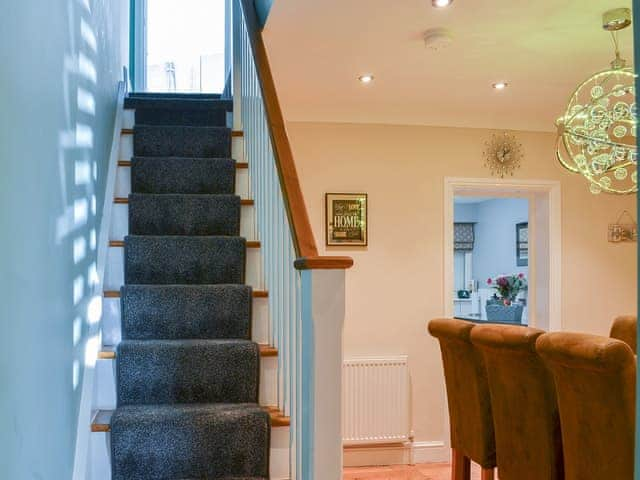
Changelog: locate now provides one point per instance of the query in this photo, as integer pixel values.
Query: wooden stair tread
(109, 352)
(101, 419)
(278, 419)
(116, 294)
(128, 163)
(268, 351)
(120, 243)
(125, 201)
(234, 133)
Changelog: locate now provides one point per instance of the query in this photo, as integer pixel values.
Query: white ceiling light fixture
(500, 85)
(366, 78)
(597, 132)
(441, 3)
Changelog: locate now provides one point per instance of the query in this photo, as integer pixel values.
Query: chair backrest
(523, 401)
(625, 328)
(595, 381)
(467, 391)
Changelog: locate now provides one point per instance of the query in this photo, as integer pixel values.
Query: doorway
(179, 47)
(531, 214)
(490, 259)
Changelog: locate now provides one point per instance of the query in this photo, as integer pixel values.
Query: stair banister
(306, 290)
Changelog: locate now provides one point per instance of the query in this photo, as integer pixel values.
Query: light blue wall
(494, 250)
(495, 247)
(56, 55)
(465, 212)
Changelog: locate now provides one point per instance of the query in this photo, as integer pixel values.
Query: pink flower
(489, 281)
(521, 275)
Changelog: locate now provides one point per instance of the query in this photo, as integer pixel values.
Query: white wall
(396, 285)
(61, 61)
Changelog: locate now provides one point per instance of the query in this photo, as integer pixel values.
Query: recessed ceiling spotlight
(500, 85)
(441, 3)
(368, 78)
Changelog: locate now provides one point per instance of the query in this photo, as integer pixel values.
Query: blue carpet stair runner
(187, 371)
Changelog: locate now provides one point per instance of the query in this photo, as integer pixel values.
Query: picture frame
(522, 244)
(346, 219)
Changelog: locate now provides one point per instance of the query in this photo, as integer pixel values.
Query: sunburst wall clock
(502, 155)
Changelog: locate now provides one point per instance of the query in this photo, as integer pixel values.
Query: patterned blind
(463, 236)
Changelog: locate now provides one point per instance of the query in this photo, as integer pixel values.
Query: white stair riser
(260, 321)
(237, 149)
(100, 456)
(129, 118)
(120, 222)
(114, 274)
(111, 321)
(105, 394)
(279, 461)
(242, 183)
(105, 397)
(126, 147)
(268, 381)
(279, 466)
(123, 182)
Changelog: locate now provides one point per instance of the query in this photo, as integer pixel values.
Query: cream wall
(396, 284)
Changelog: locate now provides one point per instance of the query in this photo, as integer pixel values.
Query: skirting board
(407, 453)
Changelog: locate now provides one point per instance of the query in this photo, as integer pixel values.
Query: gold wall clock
(502, 154)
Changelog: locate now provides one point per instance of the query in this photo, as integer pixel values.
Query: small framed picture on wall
(346, 219)
(522, 244)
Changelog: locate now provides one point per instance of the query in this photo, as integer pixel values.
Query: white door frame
(538, 191)
(140, 46)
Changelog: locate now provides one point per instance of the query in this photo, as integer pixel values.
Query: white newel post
(236, 62)
(323, 308)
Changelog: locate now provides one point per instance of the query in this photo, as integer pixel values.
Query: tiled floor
(431, 471)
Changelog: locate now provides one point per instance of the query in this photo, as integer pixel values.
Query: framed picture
(346, 219)
(522, 244)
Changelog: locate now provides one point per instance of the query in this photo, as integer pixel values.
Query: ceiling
(543, 49)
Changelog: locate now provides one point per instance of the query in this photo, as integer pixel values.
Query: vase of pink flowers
(502, 307)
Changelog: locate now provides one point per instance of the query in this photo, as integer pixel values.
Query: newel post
(323, 309)
(236, 61)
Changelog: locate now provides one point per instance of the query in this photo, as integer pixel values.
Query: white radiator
(375, 400)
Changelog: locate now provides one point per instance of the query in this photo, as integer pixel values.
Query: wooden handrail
(302, 234)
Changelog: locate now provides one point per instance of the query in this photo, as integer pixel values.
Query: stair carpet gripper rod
(187, 371)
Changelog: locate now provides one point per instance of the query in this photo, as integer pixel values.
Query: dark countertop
(475, 318)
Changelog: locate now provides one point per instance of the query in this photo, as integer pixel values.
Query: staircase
(187, 371)
(221, 324)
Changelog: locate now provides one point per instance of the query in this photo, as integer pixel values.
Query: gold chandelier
(597, 133)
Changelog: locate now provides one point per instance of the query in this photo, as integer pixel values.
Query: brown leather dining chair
(472, 434)
(523, 401)
(625, 328)
(595, 380)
